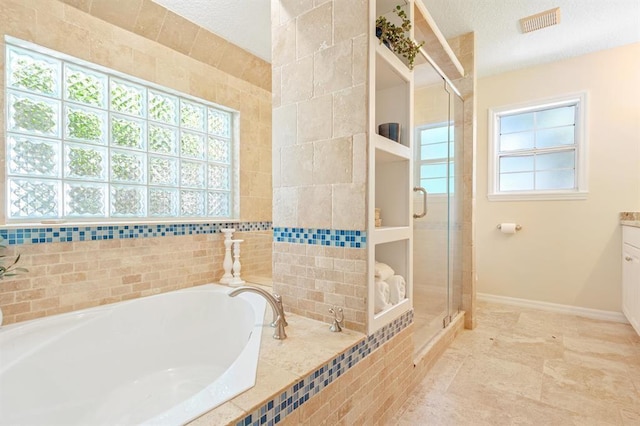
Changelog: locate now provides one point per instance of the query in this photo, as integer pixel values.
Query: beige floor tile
(498, 320)
(444, 410)
(522, 366)
(500, 375)
(480, 405)
(601, 384)
(474, 342)
(630, 416)
(591, 407)
(613, 351)
(526, 349)
(442, 373)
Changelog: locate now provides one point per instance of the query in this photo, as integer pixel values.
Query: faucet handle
(280, 308)
(338, 318)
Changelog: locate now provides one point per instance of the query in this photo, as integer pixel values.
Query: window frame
(580, 192)
(234, 141)
(418, 161)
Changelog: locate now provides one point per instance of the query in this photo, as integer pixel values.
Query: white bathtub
(164, 359)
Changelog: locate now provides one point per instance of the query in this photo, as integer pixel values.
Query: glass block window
(539, 150)
(84, 142)
(434, 165)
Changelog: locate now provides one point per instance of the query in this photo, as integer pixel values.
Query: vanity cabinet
(631, 275)
(390, 164)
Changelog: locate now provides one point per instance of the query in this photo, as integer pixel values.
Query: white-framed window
(538, 150)
(434, 166)
(84, 142)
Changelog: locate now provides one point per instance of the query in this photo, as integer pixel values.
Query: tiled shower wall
(319, 58)
(142, 39)
(464, 48)
(154, 22)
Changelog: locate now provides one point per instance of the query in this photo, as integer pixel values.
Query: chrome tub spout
(279, 322)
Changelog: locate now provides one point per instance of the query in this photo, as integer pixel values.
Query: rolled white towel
(381, 297)
(383, 271)
(397, 289)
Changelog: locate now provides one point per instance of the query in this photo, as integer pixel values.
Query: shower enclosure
(437, 227)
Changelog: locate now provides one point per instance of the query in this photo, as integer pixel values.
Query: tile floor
(522, 366)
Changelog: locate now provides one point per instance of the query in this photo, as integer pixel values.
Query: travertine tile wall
(370, 393)
(313, 278)
(464, 48)
(67, 276)
(319, 54)
(153, 21)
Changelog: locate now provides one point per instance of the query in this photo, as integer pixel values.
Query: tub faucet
(279, 321)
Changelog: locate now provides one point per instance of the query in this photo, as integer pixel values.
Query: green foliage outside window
(191, 145)
(160, 140)
(84, 125)
(126, 100)
(35, 76)
(126, 133)
(85, 162)
(84, 88)
(31, 115)
(77, 129)
(162, 109)
(125, 167)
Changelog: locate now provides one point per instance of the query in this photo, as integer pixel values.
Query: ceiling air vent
(540, 20)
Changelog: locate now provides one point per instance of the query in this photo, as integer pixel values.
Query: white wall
(568, 251)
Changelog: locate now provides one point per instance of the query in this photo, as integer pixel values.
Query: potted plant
(8, 268)
(396, 37)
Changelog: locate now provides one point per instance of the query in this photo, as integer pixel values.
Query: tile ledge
(316, 337)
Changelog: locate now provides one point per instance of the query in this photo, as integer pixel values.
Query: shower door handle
(424, 202)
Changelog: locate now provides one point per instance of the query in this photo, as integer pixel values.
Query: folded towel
(381, 299)
(383, 271)
(397, 289)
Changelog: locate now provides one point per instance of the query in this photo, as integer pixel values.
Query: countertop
(630, 219)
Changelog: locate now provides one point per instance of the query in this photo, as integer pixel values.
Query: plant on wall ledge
(396, 37)
(7, 267)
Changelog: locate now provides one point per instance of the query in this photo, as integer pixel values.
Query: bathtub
(163, 359)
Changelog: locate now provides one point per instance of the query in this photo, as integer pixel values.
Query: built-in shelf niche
(390, 162)
(394, 254)
(392, 182)
(392, 92)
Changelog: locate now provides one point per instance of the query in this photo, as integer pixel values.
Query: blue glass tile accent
(15, 236)
(325, 237)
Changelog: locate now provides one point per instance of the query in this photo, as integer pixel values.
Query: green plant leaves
(396, 37)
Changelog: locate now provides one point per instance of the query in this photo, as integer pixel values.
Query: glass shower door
(432, 117)
(437, 236)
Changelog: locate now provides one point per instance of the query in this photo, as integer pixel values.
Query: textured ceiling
(586, 26)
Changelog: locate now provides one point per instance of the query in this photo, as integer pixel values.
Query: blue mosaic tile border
(323, 237)
(276, 409)
(61, 233)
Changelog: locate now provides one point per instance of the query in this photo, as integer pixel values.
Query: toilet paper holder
(518, 227)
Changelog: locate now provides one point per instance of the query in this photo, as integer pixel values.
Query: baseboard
(556, 307)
